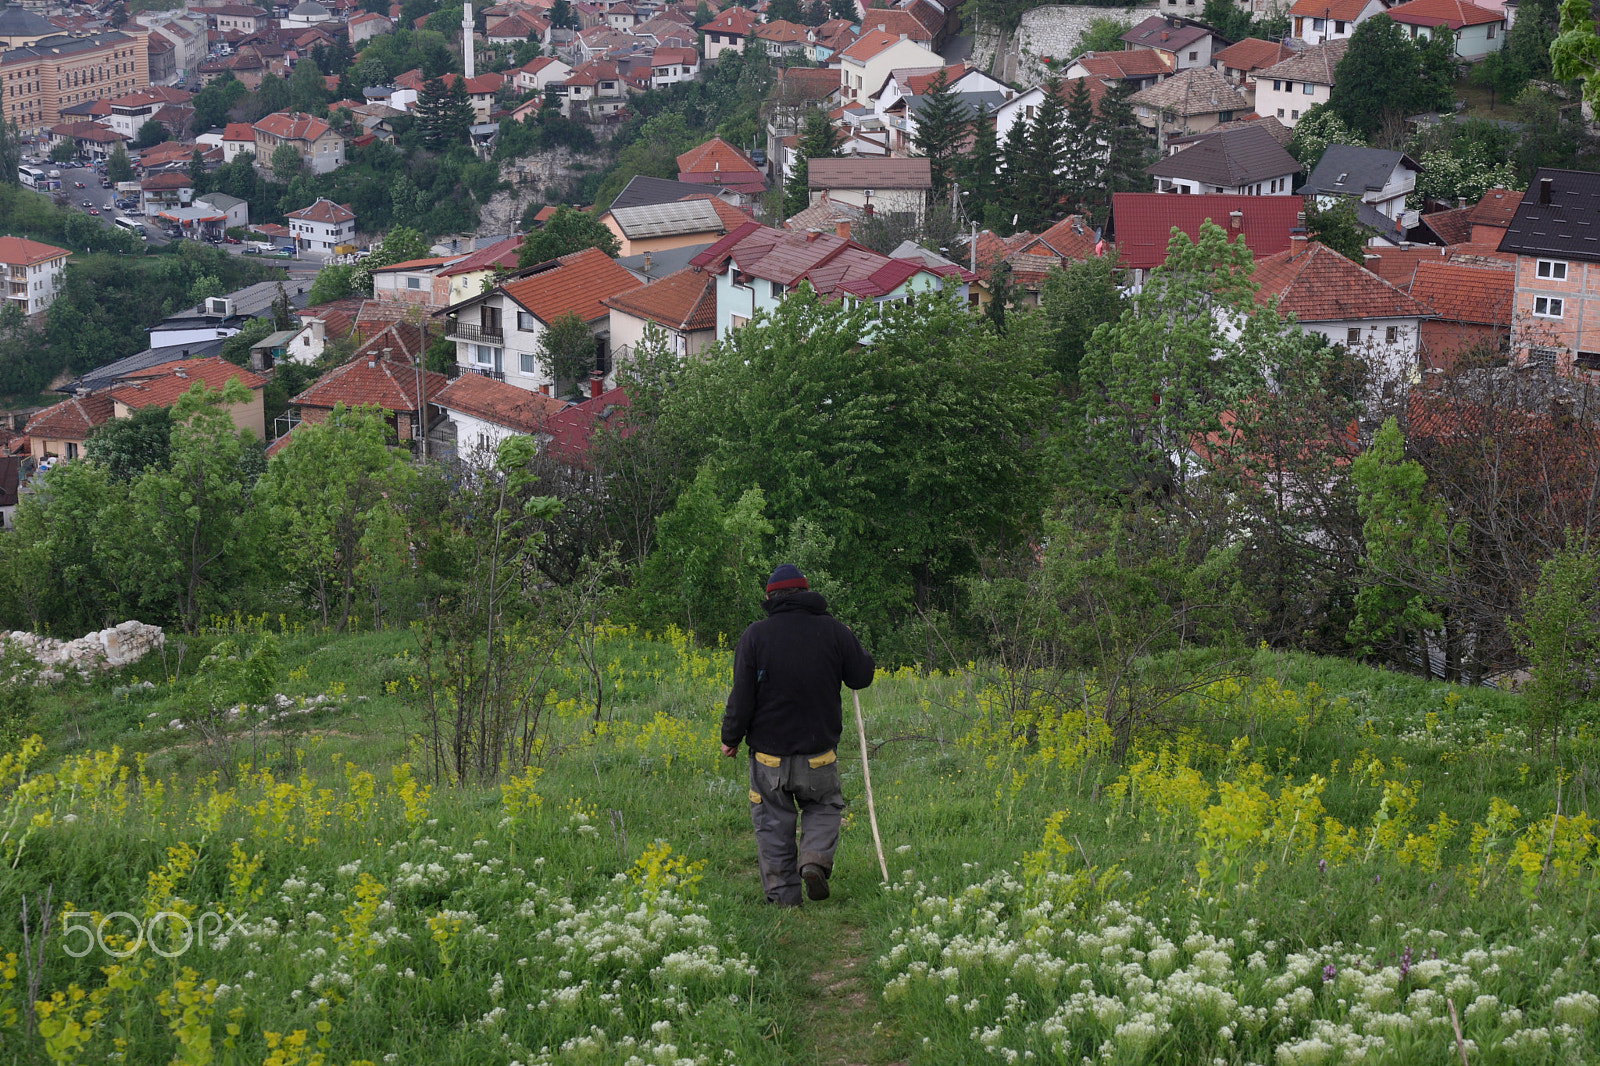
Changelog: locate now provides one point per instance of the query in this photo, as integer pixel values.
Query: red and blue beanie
(787, 576)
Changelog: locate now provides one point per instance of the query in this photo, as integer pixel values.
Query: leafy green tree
(401, 244)
(127, 447)
(56, 556)
(567, 350)
(1337, 227)
(150, 134)
(1559, 632)
(197, 531)
(62, 153)
(335, 494)
(562, 17)
(10, 153)
(236, 349)
(199, 177)
(1319, 127)
(566, 231)
(333, 282)
(306, 90)
(1160, 377)
(213, 103)
(841, 9)
(1074, 302)
(785, 10)
(818, 140)
(863, 439)
(203, 288)
(1468, 171)
(118, 166)
(942, 124)
(1528, 51)
(1437, 68)
(1102, 35)
(286, 164)
(1383, 74)
(1408, 540)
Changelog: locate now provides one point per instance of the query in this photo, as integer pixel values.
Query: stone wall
(109, 648)
(1053, 32)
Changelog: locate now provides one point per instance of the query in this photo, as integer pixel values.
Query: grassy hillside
(1324, 863)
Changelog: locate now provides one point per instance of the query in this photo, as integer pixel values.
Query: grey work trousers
(782, 790)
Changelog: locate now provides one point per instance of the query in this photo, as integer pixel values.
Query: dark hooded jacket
(787, 670)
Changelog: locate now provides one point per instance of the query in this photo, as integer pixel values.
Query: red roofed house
(1141, 67)
(538, 73)
(86, 138)
(1316, 21)
(1240, 60)
(499, 333)
(465, 276)
(237, 139)
(728, 31)
(161, 385)
(383, 373)
(1191, 44)
(875, 55)
(1473, 305)
(486, 412)
(669, 65)
(323, 226)
(319, 147)
(783, 38)
(1492, 214)
(1349, 305)
(367, 24)
(1478, 30)
(168, 190)
(1143, 223)
(58, 432)
(573, 427)
(902, 24)
(683, 304)
(716, 162)
(33, 272)
(415, 281)
(1031, 258)
(481, 92)
(594, 89)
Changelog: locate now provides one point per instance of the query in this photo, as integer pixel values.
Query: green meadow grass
(1047, 904)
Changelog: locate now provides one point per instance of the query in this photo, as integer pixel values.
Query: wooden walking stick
(866, 777)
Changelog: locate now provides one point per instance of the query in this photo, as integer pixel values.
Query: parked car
(77, 185)
(94, 211)
(229, 240)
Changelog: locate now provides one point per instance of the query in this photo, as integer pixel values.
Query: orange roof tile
(1452, 13)
(870, 44)
(1139, 63)
(1252, 53)
(576, 284)
(1496, 208)
(1317, 284)
(781, 32)
(736, 20)
(293, 126)
(370, 381)
(497, 256)
(895, 22)
(685, 301)
(494, 401)
(716, 156)
(1341, 10)
(239, 131)
(71, 419)
(19, 251)
(1451, 226)
(1460, 293)
(417, 264)
(324, 210)
(161, 385)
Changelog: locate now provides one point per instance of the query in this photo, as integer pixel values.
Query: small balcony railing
(485, 371)
(467, 332)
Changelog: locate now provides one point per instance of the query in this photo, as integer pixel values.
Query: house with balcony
(756, 266)
(683, 305)
(875, 55)
(130, 112)
(728, 31)
(670, 65)
(1378, 177)
(1317, 21)
(1289, 89)
(1556, 321)
(383, 373)
(465, 277)
(319, 147)
(594, 90)
(484, 412)
(166, 191)
(500, 333)
(1138, 68)
(34, 273)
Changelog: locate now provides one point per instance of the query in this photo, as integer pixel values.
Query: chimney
(812, 234)
(181, 374)
(902, 36)
(1461, 202)
(647, 262)
(597, 384)
(1235, 219)
(841, 229)
(1544, 190)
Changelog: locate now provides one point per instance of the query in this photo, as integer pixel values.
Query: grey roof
(1351, 170)
(1280, 133)
(1229, 159)
(1168, 33)
(1565, 226)
(252, 301)
(220, 200)
(275, 340)
(666, 261)
(310, 7)
(20, 22)
(1379, 223)
(1200, 91)
(1315, 64)
(62, 45)
(667, 220)
(103, 377)
(909, 249)
(644, 190)
(974, 100)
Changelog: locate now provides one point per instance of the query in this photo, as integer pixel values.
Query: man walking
(785, 705)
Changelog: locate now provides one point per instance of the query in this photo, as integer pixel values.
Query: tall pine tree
(445, 114)
(942, 123)
(979, 170)
(1041, 184)
(1127, 150)
(818, 140)
(1081, 148)
(1015, 154)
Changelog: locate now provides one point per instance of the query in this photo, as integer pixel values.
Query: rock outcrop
(91, 653)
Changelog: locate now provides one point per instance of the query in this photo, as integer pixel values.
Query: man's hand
(729, 752)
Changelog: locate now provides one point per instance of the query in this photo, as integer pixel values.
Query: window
(1307, 87)
(1193, 56)
(1338, 27)
(1542, 357)
(1277, 86)
(1224, 116)
(72, 450)
(526, 363)
(482, 354)
(1547, 307)
(1552, 269)
(1391, 334)
(1491, 31)
(777, 289)
(1318, 25)
(1288, 86)
(526, 322)
(413, 283)
(1280, 112)
(1294, 115)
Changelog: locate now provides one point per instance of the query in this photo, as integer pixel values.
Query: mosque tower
(466, 39)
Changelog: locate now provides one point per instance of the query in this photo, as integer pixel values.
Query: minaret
(466, 38)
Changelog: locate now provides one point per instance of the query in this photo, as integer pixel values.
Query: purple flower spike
(1329, 972)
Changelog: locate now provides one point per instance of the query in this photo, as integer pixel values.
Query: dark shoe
(816, 881)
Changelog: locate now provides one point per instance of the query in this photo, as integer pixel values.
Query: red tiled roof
(719, 157)
(571, 429)
(895, 22)
(71, 419)
(293, 126)
(86, 131)
(576, 284)
(1452, 13)
(19, 251)
(476, 86)
(1144, 222)
(667, 57)
(1072, 237)
(159, 182)
(371, 380)
(494, 401)
(417, 264)
(1138, 63)
(780, 31)
(870, 44)
(1460, 293)
(1317, 284)
(1252, 53)
(1497, 208)
(500, 255)
(917, 84)
(827, 262)
(324, 210)
(1452, 226)
(239, 131)
(1341, 10)
(161, 385)
(685, 301)
(738, 21)
(338, 316)
(1154, 32)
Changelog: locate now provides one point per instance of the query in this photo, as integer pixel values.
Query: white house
(1376, 176)
(1289, 89)
(669, 65)
(536, 74)
(729, 30)
(486, 411)
(1478, 30)
(323, 226)
(33, 273)
(1245, 161)
(1316, 21)
(867, 64)
(1191, 44)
